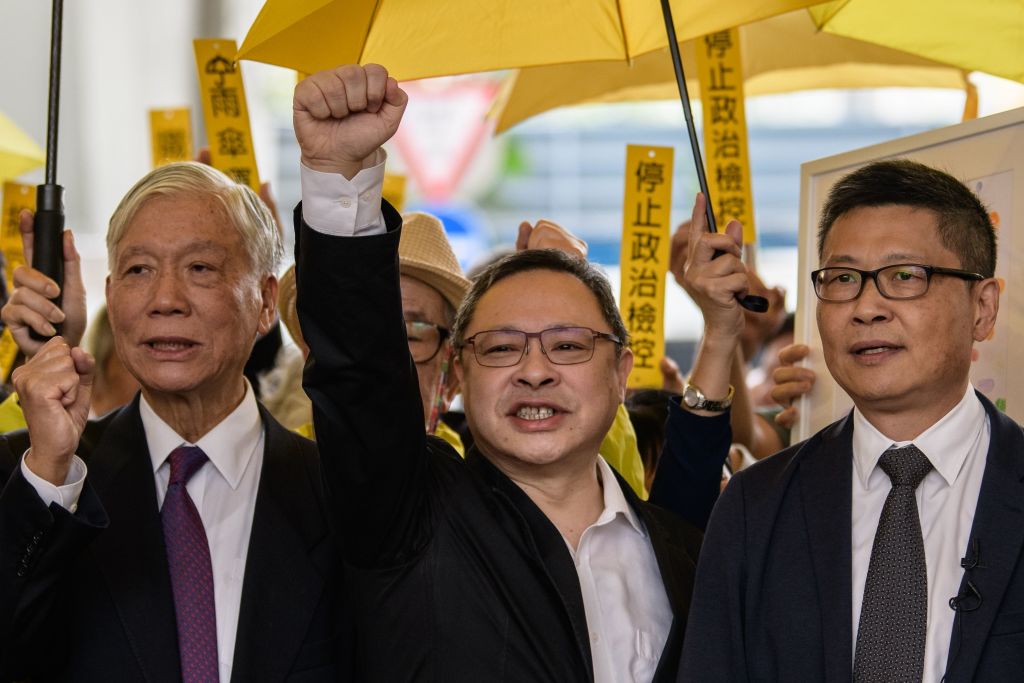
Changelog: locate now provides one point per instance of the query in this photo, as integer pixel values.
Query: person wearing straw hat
(529, 560)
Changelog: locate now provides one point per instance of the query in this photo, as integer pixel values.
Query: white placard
(988, 155)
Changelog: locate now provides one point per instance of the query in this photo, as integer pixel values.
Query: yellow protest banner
(16, 198)
(646, 232)
(720, 69)
(224, 110)
(394, 190)
(170, 132)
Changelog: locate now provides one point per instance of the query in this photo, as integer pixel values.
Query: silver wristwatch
(694, 399)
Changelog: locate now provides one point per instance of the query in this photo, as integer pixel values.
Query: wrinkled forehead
(881, 234)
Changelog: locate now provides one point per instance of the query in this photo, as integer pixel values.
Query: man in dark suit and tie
(182, 537)
(887, 547)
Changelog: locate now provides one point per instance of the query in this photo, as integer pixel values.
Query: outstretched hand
(548, 235)
(714, 283)
(791, 382)
(342, 116)
(30, 306)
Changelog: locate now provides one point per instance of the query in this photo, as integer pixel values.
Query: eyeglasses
(425, 339)
(561, 345)
(900, 281)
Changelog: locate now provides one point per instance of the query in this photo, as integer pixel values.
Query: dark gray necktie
(894, 612)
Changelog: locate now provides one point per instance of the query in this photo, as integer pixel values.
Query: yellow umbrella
(784, 53)
(18, 153)
(980, 35)
(422, 38)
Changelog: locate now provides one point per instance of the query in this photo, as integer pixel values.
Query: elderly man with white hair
(182, 537)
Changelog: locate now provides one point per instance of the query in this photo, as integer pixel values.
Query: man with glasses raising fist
(888, 546)
(530, 560)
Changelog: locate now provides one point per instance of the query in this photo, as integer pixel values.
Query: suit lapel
(284, 577)
(825, 486)
(998, 529)
(131, 551)
(550, 549)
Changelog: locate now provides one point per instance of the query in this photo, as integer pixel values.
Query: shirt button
(366, 196)
(594, 637)
(345, 203)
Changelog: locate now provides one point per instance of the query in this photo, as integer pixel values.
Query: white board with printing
(988, 155)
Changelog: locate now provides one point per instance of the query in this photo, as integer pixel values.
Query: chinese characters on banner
(171, 135)
(224, 110)
(16, 198)
(725, 129)
(646, 231)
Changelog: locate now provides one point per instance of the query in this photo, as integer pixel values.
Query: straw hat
(425, 254)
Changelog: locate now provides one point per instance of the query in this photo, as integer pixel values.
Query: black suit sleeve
(714, 646)
(37, 547)
(689, 473)
(362, 382)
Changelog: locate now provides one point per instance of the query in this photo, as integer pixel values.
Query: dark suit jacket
(87, 597)
(459, 575)
(772, 601)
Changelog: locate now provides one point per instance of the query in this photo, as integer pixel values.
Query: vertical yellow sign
(17, 197)
(720, 68)
(224, 110)
(170, 133)
(646, 232)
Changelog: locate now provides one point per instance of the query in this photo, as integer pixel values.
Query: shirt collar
(229, 446)
(615, 502)
(947, 443)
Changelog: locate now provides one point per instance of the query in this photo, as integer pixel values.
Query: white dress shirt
(628, 613)
(957, 446)
(223, 490)
(627, 608)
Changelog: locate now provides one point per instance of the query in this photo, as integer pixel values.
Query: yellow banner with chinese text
(170, 132)
(224, 110)
(646, 232)
(720, 69)
(16, 198)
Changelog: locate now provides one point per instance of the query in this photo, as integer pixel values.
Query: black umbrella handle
(48, 227)
(48, 240)
(757, 304)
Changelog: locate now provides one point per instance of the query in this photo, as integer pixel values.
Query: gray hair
(246, 211)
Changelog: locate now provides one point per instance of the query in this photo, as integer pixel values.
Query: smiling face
(537, 413)
(911, 356)
(185, 305)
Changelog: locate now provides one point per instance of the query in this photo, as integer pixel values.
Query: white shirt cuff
(67, 495)
(334, 205)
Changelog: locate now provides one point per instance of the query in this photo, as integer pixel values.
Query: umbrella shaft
(54, 110)
(684, 95)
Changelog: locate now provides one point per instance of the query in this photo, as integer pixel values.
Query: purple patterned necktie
(188, 559)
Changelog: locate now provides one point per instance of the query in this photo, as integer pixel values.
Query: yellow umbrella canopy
(783, 53)
(422, 38)
(980, 35)
(18, 152)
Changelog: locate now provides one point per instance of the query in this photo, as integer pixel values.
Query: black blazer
(87, 597)
(458, 575)
(772, 601)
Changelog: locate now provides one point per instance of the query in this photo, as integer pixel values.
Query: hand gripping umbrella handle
(48, 238)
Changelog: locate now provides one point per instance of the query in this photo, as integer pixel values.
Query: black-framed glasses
(899, 281)
(561, 345)
(425, 339)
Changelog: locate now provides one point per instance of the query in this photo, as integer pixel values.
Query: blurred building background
(122, 57)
